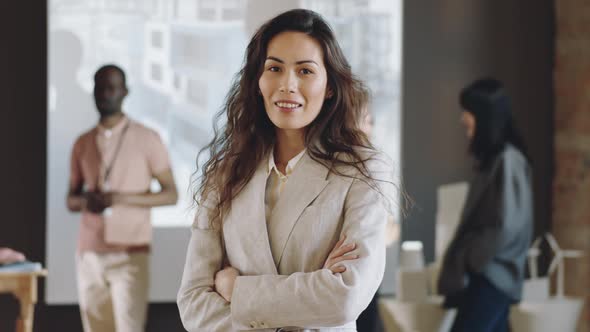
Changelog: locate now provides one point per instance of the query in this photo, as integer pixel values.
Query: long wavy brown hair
(247, 135)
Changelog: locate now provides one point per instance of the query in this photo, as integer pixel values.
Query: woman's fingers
(224, 281)
(338, 269)
(339, 251)
(343, 258)
(341, 241)
(338, 244)
(223, 273)
(335, 268)
(339, 254)
(343, 250)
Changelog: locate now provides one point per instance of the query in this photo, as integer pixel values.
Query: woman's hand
(339, 254)
(224, 282)
(8, 256)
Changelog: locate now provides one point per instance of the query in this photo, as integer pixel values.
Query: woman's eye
(306, 71)
(273, 69)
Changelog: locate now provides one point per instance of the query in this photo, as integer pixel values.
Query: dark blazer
(494, 234)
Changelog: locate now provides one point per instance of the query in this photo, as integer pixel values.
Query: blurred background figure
(112, 168)
(484, 265)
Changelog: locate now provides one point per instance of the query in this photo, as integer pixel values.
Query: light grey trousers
(113, 291)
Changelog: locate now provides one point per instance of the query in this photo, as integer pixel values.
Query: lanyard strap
(109, 168)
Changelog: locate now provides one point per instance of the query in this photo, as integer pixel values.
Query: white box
(411, 285)
(536, 289)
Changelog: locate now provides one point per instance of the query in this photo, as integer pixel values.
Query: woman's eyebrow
(274, 59)
(297, 62)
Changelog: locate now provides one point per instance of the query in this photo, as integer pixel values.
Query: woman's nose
(288, 83)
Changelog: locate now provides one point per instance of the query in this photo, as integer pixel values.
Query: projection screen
(180, 57)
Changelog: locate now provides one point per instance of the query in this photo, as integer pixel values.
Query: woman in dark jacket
(483, 268)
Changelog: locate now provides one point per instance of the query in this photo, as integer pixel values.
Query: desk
(23, 285)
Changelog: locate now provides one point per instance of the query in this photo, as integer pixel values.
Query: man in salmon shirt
(112, 167)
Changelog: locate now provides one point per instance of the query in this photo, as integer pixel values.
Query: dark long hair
(248, 135)
(489, 103)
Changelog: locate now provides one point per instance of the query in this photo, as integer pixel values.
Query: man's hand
(167, 195)
(97, 202)
(224, 282)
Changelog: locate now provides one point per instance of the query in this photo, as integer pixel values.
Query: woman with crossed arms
(289, 233)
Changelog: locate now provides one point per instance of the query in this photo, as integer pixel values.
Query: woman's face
(294, 80)
(468, 121)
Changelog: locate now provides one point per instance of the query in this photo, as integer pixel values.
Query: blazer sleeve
(200, 307)
(321, 298)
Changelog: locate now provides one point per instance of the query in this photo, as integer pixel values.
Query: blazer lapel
(304, 185)
(247, 220)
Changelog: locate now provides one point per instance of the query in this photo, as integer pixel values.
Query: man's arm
(76, 201)
(166, 196)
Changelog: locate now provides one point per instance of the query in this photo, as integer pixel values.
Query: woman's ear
(329, 93)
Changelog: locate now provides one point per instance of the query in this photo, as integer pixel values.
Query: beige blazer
(282, 283)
